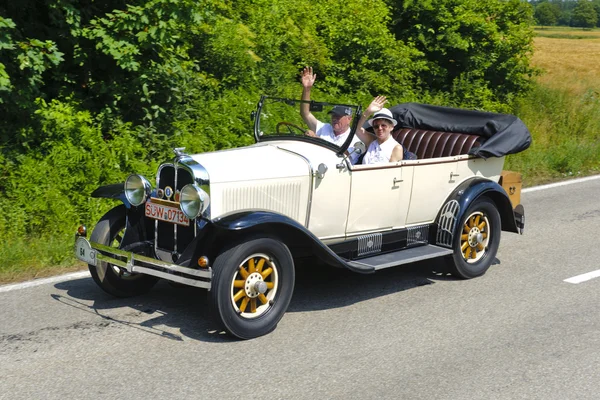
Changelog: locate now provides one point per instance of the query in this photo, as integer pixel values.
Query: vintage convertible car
(235, 221)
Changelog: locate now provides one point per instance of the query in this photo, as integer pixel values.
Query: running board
(400, 257)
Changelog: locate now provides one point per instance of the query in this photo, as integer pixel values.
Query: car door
(379, 197)
(434, 180)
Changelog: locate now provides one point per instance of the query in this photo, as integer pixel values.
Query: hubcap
(254, 286)
(475, 237)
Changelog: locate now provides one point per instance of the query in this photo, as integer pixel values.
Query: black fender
(231, 227)
(470, 190)
(137, 231)
(114, 191)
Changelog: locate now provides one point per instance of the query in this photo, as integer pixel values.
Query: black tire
(237, 300)
(473, 254)
(112, 279)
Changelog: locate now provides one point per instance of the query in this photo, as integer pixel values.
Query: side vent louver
(446, 223)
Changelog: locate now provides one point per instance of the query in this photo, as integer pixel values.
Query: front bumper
(93, 253)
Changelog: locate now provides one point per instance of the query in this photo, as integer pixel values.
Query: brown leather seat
(432, 144)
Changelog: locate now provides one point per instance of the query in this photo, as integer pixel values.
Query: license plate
(166, 213)
(84, 251)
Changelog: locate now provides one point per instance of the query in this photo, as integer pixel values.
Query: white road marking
(584, 277)
(84, 274)
(558, 184)
(38, 282)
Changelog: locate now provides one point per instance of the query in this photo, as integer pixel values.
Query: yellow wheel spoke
(251, 267)
(263, 299)
(239, 284)
(244, 273)
(480, 247)
(260, 265)
(239, 295)
(464, 237)
(270, 285)
(266, 272)
(482, 225)
(473, 253)
(466, 228)
(467, 253)
(464, 246)
(244, 304)
(253, 305)
(484, 235)
(477, 219)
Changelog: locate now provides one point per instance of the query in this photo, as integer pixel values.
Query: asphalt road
(518, 332)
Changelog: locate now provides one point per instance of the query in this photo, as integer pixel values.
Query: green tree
(584, 14)
(596, 4)
(476, 50)
(546, 14)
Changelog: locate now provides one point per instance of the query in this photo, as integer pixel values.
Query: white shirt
(325, 132)
(380, 153)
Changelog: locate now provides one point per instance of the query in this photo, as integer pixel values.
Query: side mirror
(321, 169)
(359, 148)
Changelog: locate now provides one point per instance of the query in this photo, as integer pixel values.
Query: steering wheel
(290, 127)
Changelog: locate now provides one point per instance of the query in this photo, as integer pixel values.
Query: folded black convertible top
(504, 133)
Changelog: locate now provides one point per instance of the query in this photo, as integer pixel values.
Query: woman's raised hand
(376, 105)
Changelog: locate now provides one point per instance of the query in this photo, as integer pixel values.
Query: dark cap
(341, 110)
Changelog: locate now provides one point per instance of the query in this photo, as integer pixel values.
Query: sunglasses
(380, 126)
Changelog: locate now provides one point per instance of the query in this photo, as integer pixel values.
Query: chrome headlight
(137, 189)
(193, 201)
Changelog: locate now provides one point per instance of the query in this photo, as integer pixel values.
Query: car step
(400, 257)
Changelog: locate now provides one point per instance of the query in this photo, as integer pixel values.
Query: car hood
(256, 162)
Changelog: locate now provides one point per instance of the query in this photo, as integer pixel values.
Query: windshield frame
(340, 150)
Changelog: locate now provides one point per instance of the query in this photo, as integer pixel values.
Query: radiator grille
(169, 236)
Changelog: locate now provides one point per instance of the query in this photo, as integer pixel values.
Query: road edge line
(44, 281)
(558, 184)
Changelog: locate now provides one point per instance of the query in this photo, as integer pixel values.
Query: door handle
(397, 181)
(452, 174)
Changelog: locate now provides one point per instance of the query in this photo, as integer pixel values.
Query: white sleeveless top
(380, 153)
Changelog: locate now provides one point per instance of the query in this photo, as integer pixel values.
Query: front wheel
(476, 243)
(112, 279)
(252, 287)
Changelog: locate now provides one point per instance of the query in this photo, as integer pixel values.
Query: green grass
(22, 259)
(566, 135)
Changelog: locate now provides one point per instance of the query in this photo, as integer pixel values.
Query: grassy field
(563, 110)
(562, 113)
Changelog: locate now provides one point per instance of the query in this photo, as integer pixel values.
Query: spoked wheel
(476, 244)
(252, 287)
(290, 127)
(113, 279)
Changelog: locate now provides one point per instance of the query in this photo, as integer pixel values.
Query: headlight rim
(133, 189)
(201, 196)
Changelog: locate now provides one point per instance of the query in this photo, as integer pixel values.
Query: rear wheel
(113, 279)
(252, 287)
(476, 243)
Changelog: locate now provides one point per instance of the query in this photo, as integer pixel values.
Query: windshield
(278, 118)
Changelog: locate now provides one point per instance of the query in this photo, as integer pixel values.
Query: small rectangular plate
(84, 251)
(166, 213)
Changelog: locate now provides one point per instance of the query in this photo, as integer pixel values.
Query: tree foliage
(92, 91)
(477, 50)
(547, 14)
(584, 14)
